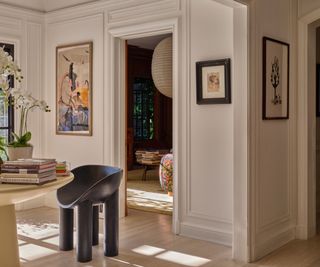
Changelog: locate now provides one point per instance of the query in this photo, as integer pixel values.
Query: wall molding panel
(197, 231)
(273, 241)
(24, 29)
(204, 167)
(273, 183)
(10, 26)
(144, 11)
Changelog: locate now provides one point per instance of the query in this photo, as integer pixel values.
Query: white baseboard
(273, 243)
(208, 234)
(304, 232)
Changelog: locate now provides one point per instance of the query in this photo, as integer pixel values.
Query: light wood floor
(146, 241)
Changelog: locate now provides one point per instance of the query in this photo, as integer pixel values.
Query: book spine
(26, 171)
(20, 180)
(27, 166)
(30, 162)
(28, 180)
(27, 175)
(40, 182)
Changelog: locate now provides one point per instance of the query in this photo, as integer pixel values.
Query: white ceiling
(45, 5)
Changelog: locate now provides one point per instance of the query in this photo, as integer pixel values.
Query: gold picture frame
(74, 89)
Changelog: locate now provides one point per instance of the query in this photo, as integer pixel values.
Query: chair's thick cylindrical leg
(66, 229)
(84, 232)
(95, 225)
(111, 231)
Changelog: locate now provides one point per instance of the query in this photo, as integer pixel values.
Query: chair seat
(92, 182)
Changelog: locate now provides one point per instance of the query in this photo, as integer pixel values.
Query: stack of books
(139, 154)
(28, 171)
(150, 157)
(62, 169)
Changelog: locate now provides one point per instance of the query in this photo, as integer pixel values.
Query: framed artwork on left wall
(74, 89)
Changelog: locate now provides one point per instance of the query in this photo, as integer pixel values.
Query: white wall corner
(272, 243)
(272, 219)
(240, 248)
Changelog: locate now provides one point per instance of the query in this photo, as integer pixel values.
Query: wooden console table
(11, 194)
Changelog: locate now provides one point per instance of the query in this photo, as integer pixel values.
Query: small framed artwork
(275, 80)
(74, 89)
(213, 82)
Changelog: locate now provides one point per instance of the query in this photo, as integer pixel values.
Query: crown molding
(138, 11)
(30, 14)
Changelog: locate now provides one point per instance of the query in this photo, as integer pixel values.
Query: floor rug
(148, 196)
(37, 230)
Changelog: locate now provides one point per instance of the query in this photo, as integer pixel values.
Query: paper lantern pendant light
(161, 67)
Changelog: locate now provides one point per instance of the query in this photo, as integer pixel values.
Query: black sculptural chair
(92, 184)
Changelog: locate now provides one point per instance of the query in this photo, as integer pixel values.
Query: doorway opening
(148, 129)
(317, 112)
(308, 125)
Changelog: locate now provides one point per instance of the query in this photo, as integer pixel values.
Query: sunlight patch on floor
(148, 250)
(37, 231)
(21, 242)
(150, 195)
(53, 240)
(183, 259)
(149, 201)
(31, 252)
(125, 262)
(171, 256)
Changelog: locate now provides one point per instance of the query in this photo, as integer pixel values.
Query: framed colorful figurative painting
(74, 89)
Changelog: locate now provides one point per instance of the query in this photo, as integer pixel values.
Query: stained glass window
(143, 108)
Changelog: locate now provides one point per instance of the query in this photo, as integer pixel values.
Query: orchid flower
(22, 100)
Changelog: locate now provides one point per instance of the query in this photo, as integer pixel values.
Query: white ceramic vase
(24, 152)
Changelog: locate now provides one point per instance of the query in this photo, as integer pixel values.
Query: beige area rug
(137, 174)
(147, 195)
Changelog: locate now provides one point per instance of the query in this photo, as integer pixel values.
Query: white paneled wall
(274, 173)
(204, 135)
(77, 150)
(206, 142)
(25, 30)
(205, 188)
(307, 7)
(211, 129)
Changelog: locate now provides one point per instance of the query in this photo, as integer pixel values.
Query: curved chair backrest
(91, 182)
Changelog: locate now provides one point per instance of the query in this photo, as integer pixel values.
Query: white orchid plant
(20, 99)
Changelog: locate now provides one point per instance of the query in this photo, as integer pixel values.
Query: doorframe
(115, 68)
(306, 153)
(117, 38)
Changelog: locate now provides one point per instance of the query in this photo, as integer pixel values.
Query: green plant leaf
(15, 136)
(27, 136)
(22, 140)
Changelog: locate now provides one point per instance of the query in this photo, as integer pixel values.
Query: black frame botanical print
(275, 79)
(213, 81)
